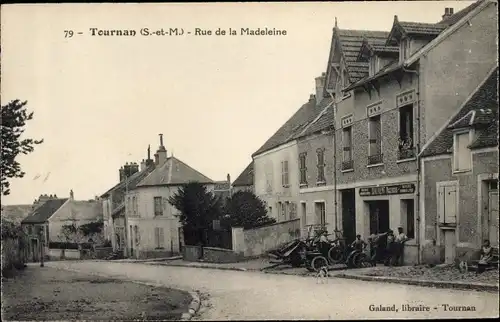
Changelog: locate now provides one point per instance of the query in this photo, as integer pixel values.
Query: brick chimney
(312, 98)
(128, 169)
(320, 86)
(161, 153)
(447, 13)
(228, 178)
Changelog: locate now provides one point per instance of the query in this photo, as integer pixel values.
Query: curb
(424, 283)
(239, 269)
(193, 308)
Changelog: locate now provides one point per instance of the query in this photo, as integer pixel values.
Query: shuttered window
(159, 237)
(447, 204)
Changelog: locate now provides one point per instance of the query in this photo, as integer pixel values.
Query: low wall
(56, 254)
(257, 241)
(12, 255)
(159, 253)
(192, 253)
(103, 252)
(220, 255)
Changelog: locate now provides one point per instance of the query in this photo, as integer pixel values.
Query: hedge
(61, 245)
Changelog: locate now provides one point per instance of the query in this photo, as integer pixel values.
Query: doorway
(379, 216)
(493, 213)
(34, 249)
(303, 218)
(349, 214)
(450, 242)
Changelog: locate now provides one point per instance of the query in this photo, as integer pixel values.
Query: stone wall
(257, 241)
(220, 255)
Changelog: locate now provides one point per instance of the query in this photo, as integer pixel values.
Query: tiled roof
(351, 41)
(385, 49)
(487, 138)
(43, 212)
(390, 67)
(80, 210)
(173, 172)
(294, 125)
(131, 183)
(222, 185)
(475, 117)
(485, 97)
(16, 213)
(322, 121)
(460, 14)
(421, 28)
(245, 178)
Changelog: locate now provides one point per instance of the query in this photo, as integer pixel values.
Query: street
(254, 295)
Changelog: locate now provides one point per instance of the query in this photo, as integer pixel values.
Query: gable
(43, 212)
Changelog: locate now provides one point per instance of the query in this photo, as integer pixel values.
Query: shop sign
(387, 190)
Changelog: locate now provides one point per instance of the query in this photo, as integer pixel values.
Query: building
(394, 111)
(153, 224)
(276, 163)
(113, 202)
(36, 227)
(222, 189)
(460, 179)
(77, 213)
(244, 182)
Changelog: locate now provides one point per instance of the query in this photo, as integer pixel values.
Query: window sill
(321, 183)
(303, 185)
(461, 171)
(286, 186)
(375, 165)
(406, 160)
(347, 170)
(447, 226)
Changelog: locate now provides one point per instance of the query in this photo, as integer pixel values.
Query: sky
(98, 101)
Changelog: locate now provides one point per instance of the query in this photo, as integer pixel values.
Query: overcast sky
(99, 101)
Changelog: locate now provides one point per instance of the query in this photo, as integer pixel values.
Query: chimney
(143, 165)
(320, 86)
(71, 195)
(157, 159)
(134, 167)
(162, 152)
(122, 174)
(447, 13)
(228, 178)
(312, 98)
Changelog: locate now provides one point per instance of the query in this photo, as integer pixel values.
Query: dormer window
(373, 65)
(462, 155)
(404, 49)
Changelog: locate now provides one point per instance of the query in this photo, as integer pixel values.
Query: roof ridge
(187, 165)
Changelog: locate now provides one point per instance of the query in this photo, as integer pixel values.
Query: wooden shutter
(162, 237)
(286, 172)
(450, 195)
(157, 237)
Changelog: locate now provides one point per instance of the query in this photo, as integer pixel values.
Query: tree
(14, 117)
(198, 208)
(245, 209)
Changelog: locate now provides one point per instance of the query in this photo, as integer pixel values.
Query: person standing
(399, 241)
(389, 248)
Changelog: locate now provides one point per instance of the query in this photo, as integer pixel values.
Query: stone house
(152, 223)
(244, 182)
(276, 164)
(394, 111)
(222, 189)
(460, 179)
(113, 202)
(36, 227)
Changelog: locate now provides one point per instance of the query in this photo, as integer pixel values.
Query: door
(493, 218)
(450, 243)
(379, 216)
(348, 215)
(34, 249)
(303, 219)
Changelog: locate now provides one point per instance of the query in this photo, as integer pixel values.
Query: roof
(245, 178)
(43, 212)
(16, 213)
(451, 20)
(400, 28)
(322, 121)
(305, 114)
(474, 112)
(131, 183)
(350, 43)
(173, 172)
(79, 210)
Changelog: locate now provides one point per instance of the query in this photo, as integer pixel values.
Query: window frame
(370, 122)
(456, 153)
(159, 213)
(303, 168)
(322, 178)
(349, 130)
(411, 136)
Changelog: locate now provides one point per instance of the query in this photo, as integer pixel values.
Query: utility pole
(127, 250)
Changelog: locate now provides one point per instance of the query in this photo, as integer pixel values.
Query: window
(137, 237)
(375, 140)
(131, 237)
(284, 173)
(158, 206)
(134, 204)
(408, 217)
(461, 153)
(287, 210)
(406, 147)
(159, 238)
(320, 153)
(281, 207)
(447, 204)
(320, 213)
(292, 210)
(404, 49)
(303, 169)
(347, 148)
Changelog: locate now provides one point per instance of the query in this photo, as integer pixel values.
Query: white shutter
(450, 205)
(162, 237)
(440, 205)
(157, 237)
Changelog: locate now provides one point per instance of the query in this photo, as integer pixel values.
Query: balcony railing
(375, 159)
(406, 153)
(348, 165)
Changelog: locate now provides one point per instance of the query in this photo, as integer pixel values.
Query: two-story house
(276, 165)
(397, 108)
(460, 179)
(152, 222)
(318, 205)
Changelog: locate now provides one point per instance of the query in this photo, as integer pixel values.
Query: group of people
(385, 247)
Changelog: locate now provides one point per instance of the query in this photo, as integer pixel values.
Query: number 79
(68, 33)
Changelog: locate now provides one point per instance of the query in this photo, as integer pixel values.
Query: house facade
(153, 227)
(394, 110)
(244, 182)
(460, 179)
(222, 188)
(36, 227)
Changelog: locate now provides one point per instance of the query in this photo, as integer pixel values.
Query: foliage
(90, 228)
(14, 117)
(198, 208)
(11, 230)
(80, 234)
(63, 245)
(245, 209)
